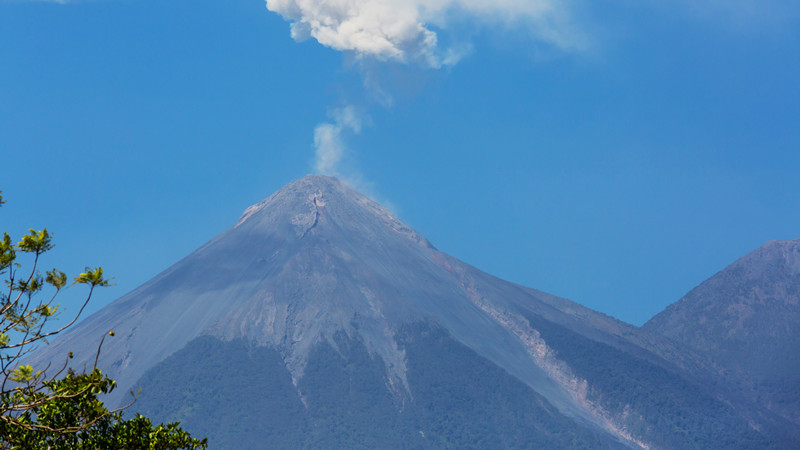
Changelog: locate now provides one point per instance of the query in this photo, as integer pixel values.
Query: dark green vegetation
(465, 401)
(255, 404)
(40, 408)
(66, 414)
(655, 403)
(457, 398)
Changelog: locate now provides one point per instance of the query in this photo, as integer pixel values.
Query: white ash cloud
(401, 30)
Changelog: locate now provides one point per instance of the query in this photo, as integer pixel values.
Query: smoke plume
(329, 143)
(401, 30)
(405, 32)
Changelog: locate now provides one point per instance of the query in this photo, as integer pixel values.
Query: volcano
(321, 320)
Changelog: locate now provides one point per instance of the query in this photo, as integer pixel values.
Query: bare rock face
(746, 319)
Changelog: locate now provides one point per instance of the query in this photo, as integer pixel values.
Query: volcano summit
(321, 320)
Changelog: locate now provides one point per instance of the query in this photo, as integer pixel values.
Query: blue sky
(616, 153)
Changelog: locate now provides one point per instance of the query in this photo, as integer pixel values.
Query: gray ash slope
(318, 276)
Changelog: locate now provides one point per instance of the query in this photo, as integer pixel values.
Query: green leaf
(93, 277)
(36, 242)
(47, 311)
(23, 374)
(56, 278)
(7, 253)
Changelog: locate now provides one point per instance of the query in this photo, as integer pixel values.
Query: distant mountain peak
(781, 255)
(745, 318)
(753, 284)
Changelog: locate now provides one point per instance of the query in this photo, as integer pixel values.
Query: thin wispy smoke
(402, 30)
(329, 141)
(333, 157)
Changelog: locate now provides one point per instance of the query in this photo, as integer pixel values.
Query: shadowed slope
(458, 399)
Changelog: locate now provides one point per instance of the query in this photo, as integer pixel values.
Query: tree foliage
(51, 407)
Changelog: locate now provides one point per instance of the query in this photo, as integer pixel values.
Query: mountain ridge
(317, 268)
